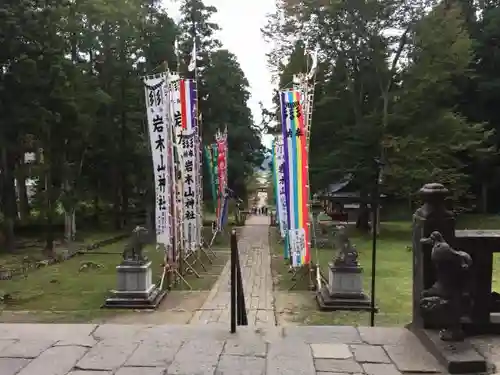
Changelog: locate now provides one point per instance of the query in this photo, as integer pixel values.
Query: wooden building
(342, 202)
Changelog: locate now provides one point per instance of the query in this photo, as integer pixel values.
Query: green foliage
(71, 90)
(390, 85)
(426, 136)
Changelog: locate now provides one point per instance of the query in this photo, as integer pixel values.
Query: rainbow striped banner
(296, 176)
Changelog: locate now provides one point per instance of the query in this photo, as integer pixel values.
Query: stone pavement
(255, 261)
(108, 349)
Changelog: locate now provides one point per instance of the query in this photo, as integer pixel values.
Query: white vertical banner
(280, 176)
(297, 242)
(190, 195)
(199, 164)
(199, 183)
(171, 173)
(156, 109)
(192, 180)
(176, 118)
(183, 93)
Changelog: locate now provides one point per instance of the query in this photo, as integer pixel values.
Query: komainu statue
(445, 301)
(133, 249)
(347, 255)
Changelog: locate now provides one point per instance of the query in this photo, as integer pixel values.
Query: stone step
(32, 349)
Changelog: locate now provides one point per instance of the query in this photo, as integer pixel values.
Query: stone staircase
(108, 349)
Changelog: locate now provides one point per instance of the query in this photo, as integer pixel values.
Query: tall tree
(378, 60)
(71, 92)
(478, 101)
(227, 101)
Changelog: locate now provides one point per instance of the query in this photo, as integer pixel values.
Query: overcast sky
(240, 22)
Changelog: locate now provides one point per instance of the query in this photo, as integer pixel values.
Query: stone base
(350, 302)
(135, 289)
(134, 276)
(135, 300)
(345, 280)
(456, 357)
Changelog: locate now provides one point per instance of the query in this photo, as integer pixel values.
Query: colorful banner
(211, 173)
(296, 176)
(159, 130)
(187, 95)
(223, 217)
(274, 167)
(215, 156)
(221, 140)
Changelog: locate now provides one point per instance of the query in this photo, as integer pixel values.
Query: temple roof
(340, 185)
(335, 192)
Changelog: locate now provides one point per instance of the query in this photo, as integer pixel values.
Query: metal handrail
(238, 309)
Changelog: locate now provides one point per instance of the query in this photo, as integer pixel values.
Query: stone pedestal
(456, 357)
(135, 289)
(344, 290)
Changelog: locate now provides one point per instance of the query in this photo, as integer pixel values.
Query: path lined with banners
(255, 261)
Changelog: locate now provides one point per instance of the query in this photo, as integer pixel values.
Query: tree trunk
(377, 224)
(123, 129)
(484, 198)
(124, 206)
(124, 188)
(49, 214)
(24, 206)
(69, 224)
(73, 224)
(69, 213)
(96, 208)
(107, 77)
(116, 198)
(8, 195)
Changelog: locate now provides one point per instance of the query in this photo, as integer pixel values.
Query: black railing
(238, 309)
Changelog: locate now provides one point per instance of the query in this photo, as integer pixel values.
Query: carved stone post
(432, 216)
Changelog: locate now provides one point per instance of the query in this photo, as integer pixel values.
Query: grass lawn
(394, 272)
(74, 295)
(30, 248)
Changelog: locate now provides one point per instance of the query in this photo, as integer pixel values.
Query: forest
(414, 83)
(73, 137)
